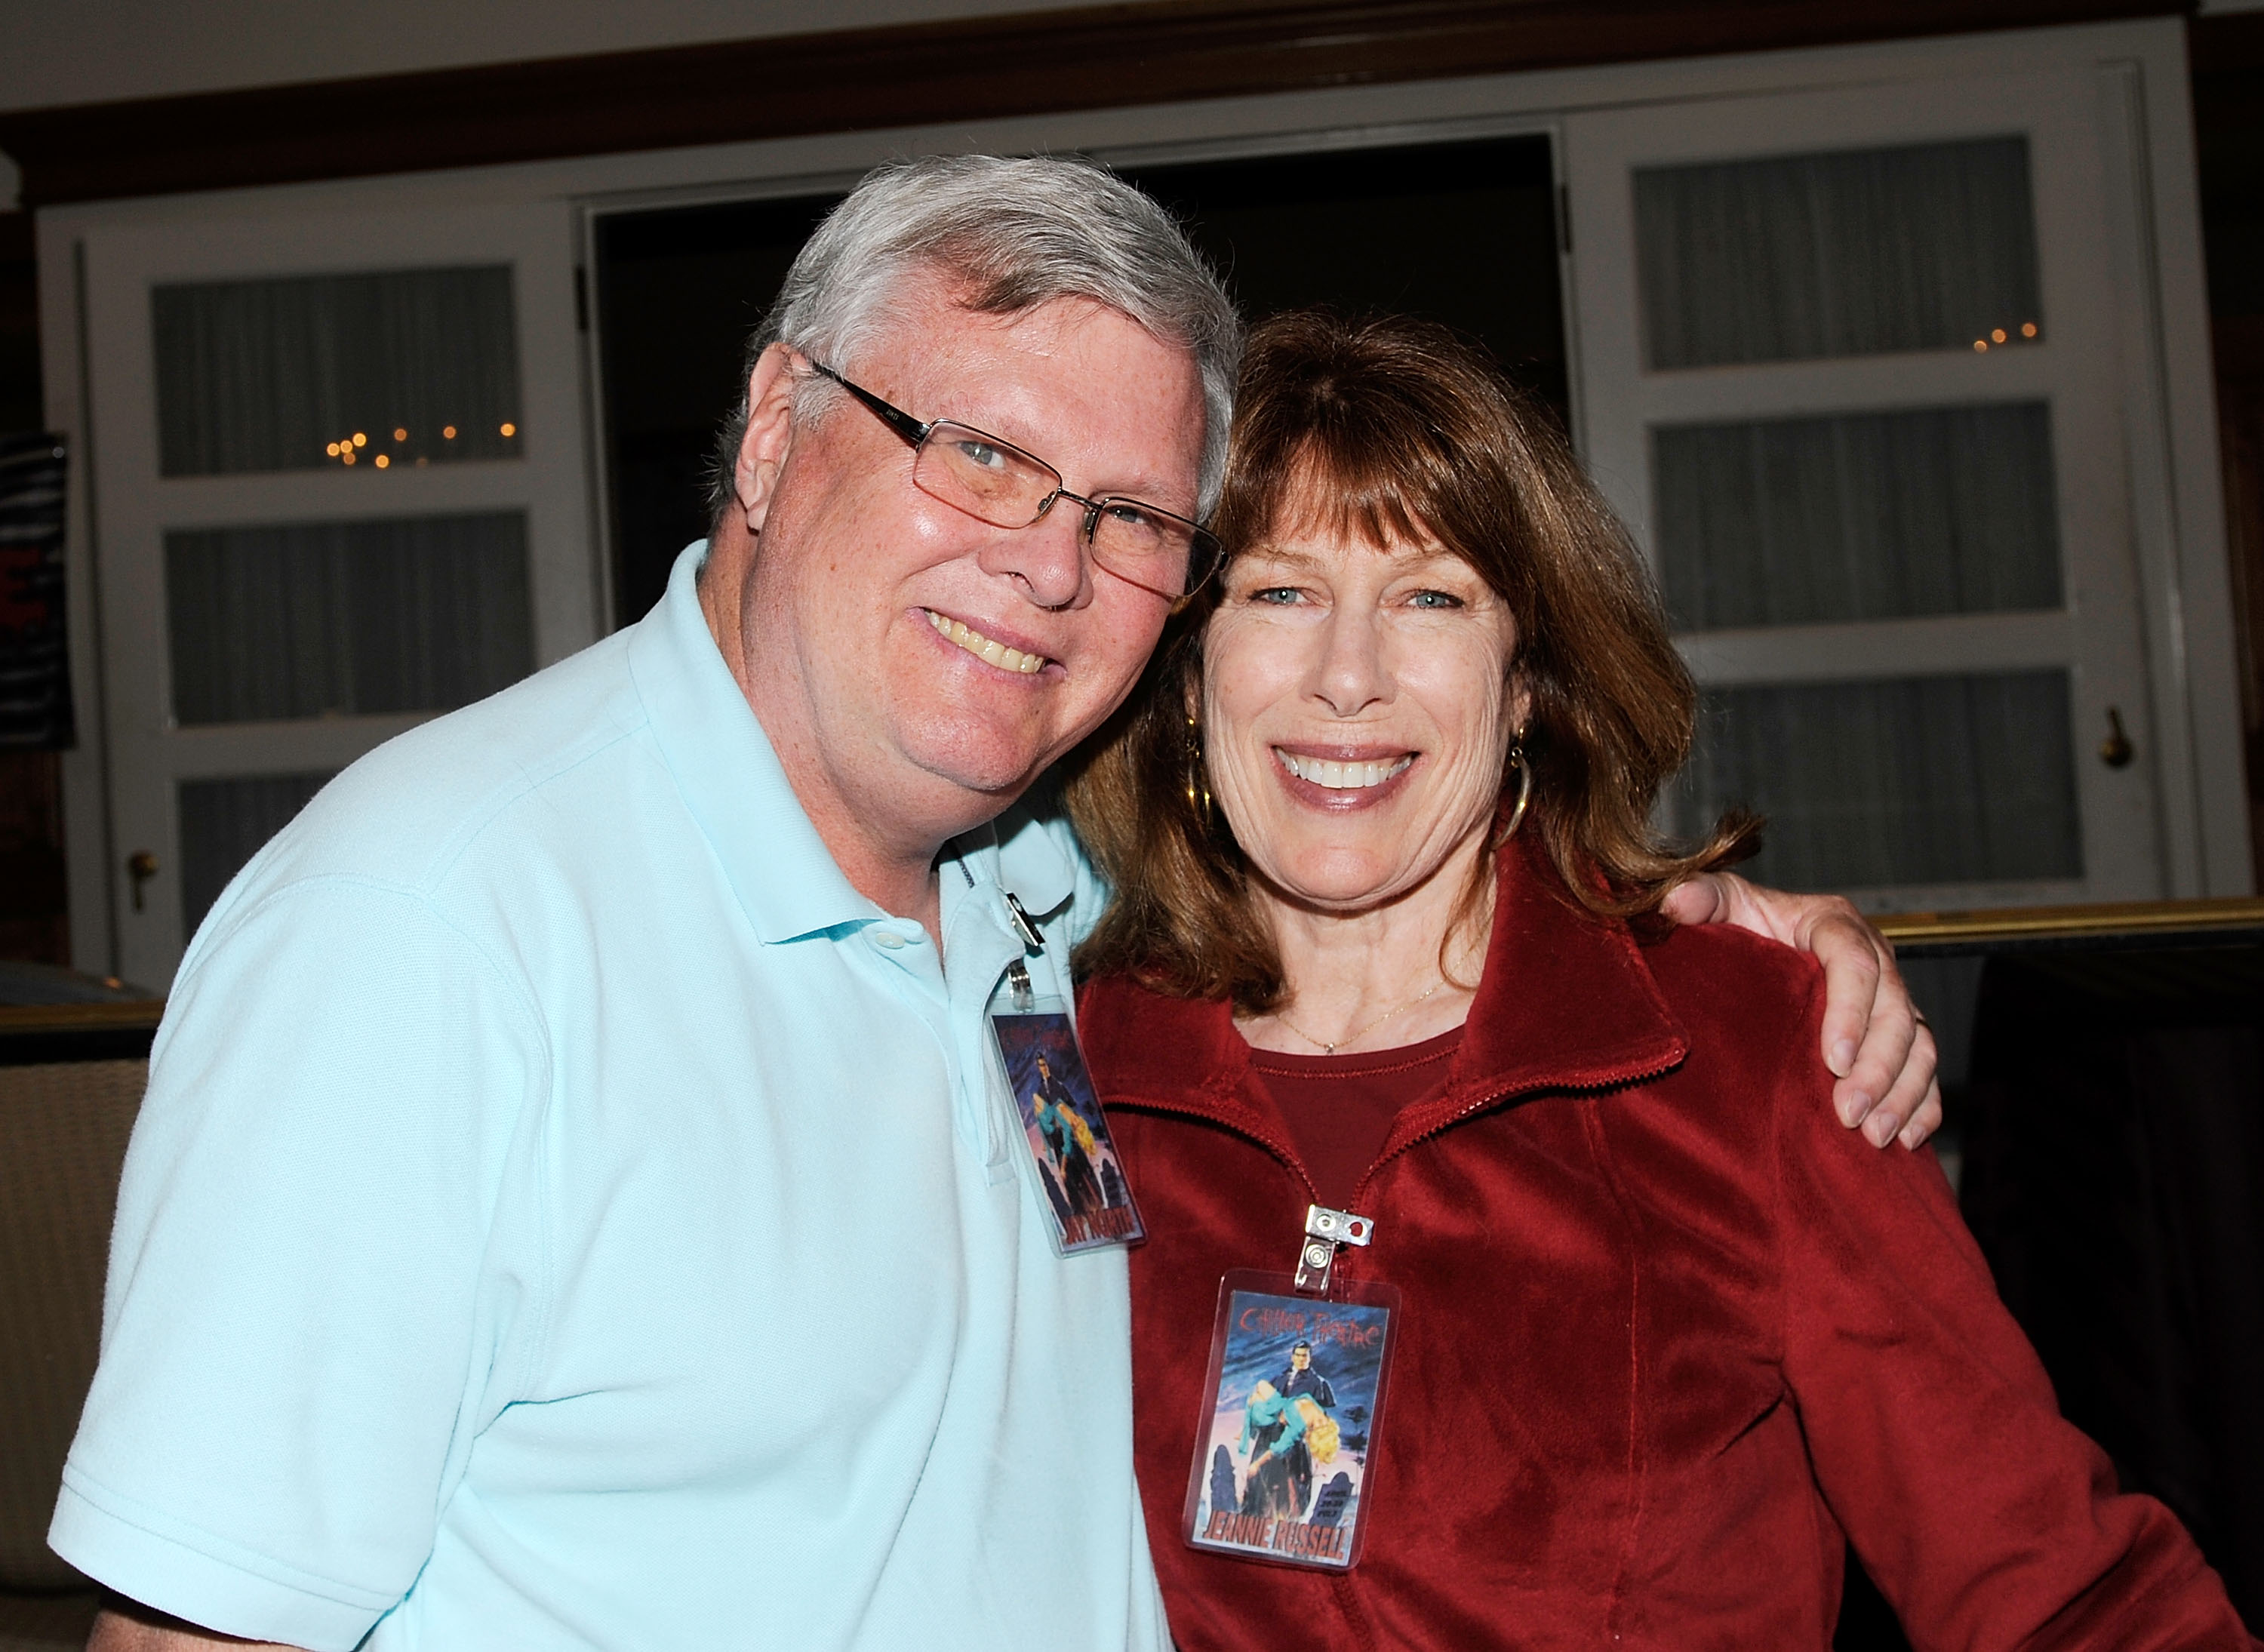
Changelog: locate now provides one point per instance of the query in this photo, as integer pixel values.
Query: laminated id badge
(1079, 1176)
(1292, 1406)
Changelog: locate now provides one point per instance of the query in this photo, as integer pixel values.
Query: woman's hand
(1874, 1041)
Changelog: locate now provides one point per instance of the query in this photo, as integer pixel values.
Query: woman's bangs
(1332, 487)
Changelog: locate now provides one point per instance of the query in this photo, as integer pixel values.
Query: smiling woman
(1479, 543)
(1659, 1331)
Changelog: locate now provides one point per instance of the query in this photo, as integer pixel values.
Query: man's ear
(770, 434)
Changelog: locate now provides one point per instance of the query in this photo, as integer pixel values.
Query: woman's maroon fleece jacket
(1669, 1331)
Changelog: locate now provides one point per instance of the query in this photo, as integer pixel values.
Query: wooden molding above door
(1157, 51)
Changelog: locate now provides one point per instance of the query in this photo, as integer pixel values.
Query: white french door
(339, 489)
(1852, 373)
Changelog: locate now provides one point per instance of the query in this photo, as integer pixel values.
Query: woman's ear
(770, 434)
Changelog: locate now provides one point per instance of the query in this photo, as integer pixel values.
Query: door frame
(2097, 632)
(136, 506)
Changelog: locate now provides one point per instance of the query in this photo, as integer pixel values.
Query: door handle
(141, 866)
(2115, 752)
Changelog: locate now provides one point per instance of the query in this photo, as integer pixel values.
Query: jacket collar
(1565, 1002)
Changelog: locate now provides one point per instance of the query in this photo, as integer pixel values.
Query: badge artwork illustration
(1296, 1387)
(1078, 1167)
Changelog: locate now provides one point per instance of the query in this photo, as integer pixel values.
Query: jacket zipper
(1345, 1267)
(1514, 1092)
(1276, 1148)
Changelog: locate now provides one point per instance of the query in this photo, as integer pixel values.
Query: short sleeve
(316, 1281)
(1984, 1516)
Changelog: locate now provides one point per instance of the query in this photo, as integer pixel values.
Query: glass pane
(1914, 780)
(1793, 257)
(223, 824)
(404, 368)
(1864, 516)
(339, 618)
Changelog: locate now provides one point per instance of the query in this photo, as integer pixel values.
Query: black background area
(680, 290)
(1462, 233)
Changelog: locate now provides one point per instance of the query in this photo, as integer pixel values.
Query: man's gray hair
(1017, 233)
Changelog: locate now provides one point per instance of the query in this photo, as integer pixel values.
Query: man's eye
(982, 455)
(1129, 513)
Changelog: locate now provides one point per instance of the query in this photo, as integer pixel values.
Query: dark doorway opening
(679, 290)
(1462, 233)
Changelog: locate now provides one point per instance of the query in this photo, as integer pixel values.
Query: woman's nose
(1350, 675)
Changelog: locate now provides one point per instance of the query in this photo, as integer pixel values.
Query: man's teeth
(986, 648)
(1343, 777)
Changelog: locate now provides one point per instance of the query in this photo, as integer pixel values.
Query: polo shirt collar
(725, 769)
(1018, 851)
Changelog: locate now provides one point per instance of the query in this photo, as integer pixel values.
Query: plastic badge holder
(1285, 1448)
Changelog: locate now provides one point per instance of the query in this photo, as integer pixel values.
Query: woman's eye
(1434, 600)
(1278, 596)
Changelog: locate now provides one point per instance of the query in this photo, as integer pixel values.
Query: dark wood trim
(1160, 51)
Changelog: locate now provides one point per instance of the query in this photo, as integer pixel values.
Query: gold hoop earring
(1198, 779)
(1517, 759)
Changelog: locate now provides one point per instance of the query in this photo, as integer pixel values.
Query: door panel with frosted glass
(336, 515)
(1853, 392)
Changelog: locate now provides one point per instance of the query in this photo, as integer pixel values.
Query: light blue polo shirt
(566, 1214)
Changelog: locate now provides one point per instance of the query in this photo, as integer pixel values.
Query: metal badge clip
(1025, 926)
(1018, 984)
(1324, 1231)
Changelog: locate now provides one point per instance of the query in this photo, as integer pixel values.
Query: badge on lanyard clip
(1292, 1406)
(1079, 1175)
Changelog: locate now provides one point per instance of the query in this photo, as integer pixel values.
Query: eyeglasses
(996, 482)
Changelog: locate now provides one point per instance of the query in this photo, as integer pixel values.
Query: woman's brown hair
(1398, 433)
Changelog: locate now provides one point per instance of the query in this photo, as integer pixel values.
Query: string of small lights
(352, 450)
(2029, 332)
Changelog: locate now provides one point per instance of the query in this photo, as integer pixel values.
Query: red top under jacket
(1668, 1330)
(1338, 1109)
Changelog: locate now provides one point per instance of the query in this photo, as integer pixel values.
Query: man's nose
(1048, 557)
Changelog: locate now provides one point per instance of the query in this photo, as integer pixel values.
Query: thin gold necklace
(1357, 1033)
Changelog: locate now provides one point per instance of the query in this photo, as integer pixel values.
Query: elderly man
(575, 1205)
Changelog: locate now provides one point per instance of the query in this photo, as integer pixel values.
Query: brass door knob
(2115, 752)
(141, 866)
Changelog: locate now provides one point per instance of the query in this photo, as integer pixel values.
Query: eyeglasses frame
(915, 431)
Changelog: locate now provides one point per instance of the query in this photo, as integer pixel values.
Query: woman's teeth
(1343, 777)
(984, 647)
